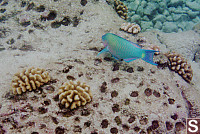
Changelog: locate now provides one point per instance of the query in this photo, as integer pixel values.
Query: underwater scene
(99, 66)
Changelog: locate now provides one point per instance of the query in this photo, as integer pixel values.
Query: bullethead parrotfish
(122, 49)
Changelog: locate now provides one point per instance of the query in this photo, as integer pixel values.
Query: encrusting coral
(121, 9)
(74, 94)
(178, 64)
(130, 28)
(29, 79)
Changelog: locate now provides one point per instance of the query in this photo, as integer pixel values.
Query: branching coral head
(74, 94)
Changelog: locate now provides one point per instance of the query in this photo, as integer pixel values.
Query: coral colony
(74, 94)
(29, 79)
(130, 28)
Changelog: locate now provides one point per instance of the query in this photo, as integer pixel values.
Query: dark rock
(114, 94)
(115, 108)
(26, 48)
(140, 68)
(83, 2)
(115, 80)
(87, 124)
(4, 3)
(171, 101)
(85, 112)
(134, 94)
(66, 21)
(75, 21)
(97, 62)
(169, 125)
(130, 70)
(42, 110)
(55, 120)
(115, 67)
(59, 130)
(2, 10)
(34, 133)
(179, 126)
(118, 120)
(55, 24)
(108, 59)
(104, 123)
(125, 127)
(47, 102)
(77, 129)
(30, 6)
(23, 4)
(136, 129)
(103, 87)
(127, 101)
(41, 8)
(155, 124)
(69, 77)
(156, 93)
(148, 92)
(131, 119)
(175, 116)
(114, 130)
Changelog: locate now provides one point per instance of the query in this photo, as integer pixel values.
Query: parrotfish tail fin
(103, 51)
(149, 56)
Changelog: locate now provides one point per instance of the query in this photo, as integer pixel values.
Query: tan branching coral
(178, 64)
(29, 79)
(74, 94)
(156, 48)
(130, 28)
(121, 9)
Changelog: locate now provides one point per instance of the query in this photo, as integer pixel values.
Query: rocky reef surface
(165, 15)
(130, 98)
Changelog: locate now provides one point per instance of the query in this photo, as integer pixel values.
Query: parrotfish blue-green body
(121, 48)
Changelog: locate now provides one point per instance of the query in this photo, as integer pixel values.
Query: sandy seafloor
(39, 45)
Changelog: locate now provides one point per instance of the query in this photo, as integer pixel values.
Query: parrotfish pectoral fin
(115, 57)
(105, 44)
(149, 56)
(130, 59)
(103, 51)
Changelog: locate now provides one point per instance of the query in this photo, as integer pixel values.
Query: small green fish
(121, 48)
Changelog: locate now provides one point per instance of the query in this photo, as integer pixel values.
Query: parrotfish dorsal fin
(134, 44)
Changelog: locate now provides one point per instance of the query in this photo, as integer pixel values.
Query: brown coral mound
(73, 94)
(130, 28)
(29, 79)
(178, 64)
(121, 9)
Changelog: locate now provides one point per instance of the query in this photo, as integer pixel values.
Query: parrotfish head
(105, 39)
